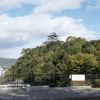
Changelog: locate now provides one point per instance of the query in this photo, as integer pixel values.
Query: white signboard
(78, 77)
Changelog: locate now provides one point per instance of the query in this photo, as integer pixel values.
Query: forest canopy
(75, 56)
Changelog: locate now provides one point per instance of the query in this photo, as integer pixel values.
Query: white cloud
(98, 4)
(88, 7)
(17, 32)
(43, 5)
(58, 5)
(80, 20)
(31, 30)
(93, 5)
(37, 26)
(16, 51)
(9, 4)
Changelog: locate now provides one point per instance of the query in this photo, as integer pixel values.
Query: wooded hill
(7, 61)
(75, 56)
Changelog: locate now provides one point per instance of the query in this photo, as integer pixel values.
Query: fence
(89, 80)
(35, 80)
(58, 80)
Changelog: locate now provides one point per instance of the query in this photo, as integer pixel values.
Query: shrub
(96, 83)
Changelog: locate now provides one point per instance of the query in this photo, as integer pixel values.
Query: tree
(48, 56)
(76, 55)
(90, 49)
(25, 51)
(48, 68)
(74, 49)
(82, 63)
(57, 57)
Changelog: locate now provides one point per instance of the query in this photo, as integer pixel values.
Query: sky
(26, 23)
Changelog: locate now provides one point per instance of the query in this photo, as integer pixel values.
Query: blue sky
(26, 23)
(26, 9)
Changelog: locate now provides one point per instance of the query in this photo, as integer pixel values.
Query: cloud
(43, 5)
(31, 30)
(9, 4)
(80, 20)
(98, 4)
(88, 7)
(58, 5)
(93, 5)
(20, 30)
(11, 33)
(15, 52)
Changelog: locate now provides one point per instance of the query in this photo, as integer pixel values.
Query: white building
(2, 72)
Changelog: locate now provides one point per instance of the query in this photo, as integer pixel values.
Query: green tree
(90, 49)
(82, 63)
(25, 51)
(74, 49)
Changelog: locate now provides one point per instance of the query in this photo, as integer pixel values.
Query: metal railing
(58, 80)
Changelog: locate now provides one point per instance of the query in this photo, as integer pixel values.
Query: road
(61, 92)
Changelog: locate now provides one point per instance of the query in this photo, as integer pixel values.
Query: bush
(96, 83)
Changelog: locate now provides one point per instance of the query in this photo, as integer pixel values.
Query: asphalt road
(62, 92)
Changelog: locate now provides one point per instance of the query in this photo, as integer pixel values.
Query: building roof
(53, 34)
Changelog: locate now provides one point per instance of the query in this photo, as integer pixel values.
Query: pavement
(58, 92)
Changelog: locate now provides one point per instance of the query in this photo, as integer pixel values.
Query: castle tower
(51, 38)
